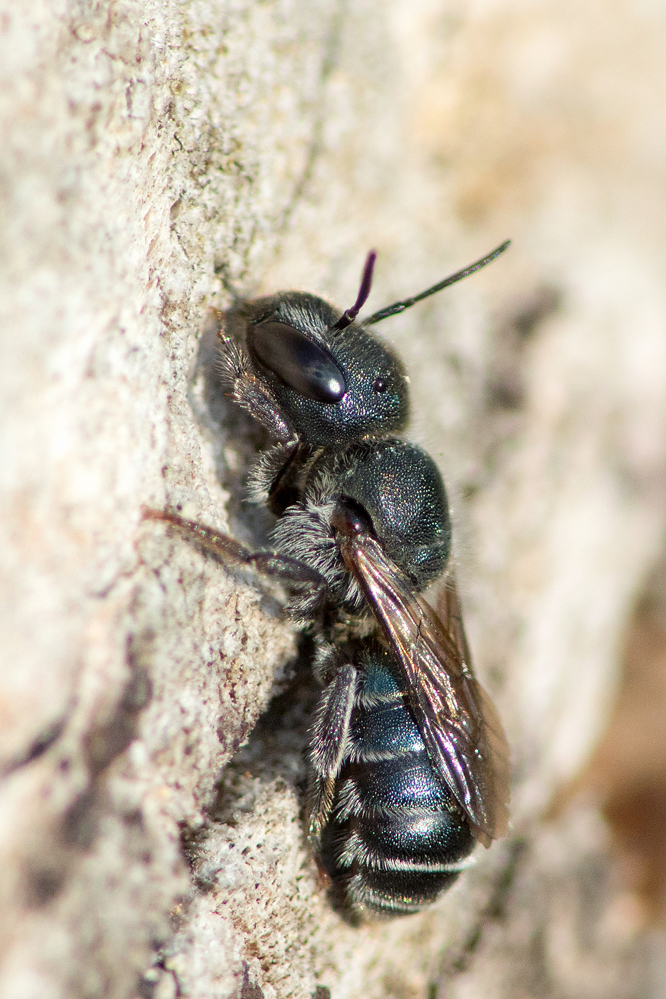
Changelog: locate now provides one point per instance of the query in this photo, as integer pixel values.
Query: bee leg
(329, 739)
(249, 392)
(277, 478)
(228, 551)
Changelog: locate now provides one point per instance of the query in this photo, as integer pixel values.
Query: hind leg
(228, 551)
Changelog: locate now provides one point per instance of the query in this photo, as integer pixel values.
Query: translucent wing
(459, 725)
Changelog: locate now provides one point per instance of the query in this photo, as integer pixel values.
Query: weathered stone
(156, 157)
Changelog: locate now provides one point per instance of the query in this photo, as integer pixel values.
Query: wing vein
(460, 728)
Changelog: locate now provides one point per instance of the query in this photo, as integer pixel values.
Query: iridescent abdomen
(395, 838)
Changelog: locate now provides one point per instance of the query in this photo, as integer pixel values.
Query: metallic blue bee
(392, 836)
(409, 762)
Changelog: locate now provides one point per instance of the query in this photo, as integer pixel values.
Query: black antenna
(349, 315)
(393, 310)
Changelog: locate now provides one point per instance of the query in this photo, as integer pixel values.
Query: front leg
(251, 393)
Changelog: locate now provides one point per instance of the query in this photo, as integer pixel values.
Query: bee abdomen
(395, 837)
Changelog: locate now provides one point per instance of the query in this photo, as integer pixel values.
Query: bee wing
(460, 728)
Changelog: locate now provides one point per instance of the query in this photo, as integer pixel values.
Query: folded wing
(458, 723)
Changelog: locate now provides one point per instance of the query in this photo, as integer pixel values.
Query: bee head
(334, 381)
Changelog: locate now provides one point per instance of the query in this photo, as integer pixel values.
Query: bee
(409, 763)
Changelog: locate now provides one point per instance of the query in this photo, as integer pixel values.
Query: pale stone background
(157, 155)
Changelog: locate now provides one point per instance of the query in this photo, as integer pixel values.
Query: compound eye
(299, 363)
(380, 385)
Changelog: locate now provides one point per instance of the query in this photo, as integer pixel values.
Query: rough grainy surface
(157, 156)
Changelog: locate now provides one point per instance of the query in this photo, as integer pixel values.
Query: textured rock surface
(155, 157)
